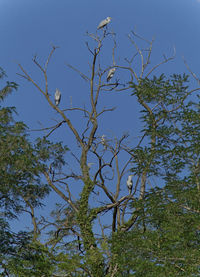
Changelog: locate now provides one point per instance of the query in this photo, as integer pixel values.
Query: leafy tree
(21, 190)
(166, 238)
(100, 228)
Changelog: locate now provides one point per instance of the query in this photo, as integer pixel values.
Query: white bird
(57, 97)
(104, 22)
(129, 183)
(111, 72)
(103, 141)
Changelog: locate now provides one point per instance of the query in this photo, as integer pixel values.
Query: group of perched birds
(101, 25)
(111, 72)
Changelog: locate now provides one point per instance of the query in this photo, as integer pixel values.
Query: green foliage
(165, 241)
(33, 259)
(22, 164)
(19, 165)
(161, 89)
(8, 88)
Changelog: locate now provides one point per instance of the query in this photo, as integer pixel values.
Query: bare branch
(79, 72)
(59, 192)
(191, 72)
(49, 57)
(166, 60)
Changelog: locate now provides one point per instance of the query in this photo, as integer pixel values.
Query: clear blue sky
(30, 27)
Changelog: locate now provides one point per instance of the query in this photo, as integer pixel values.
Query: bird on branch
(104, 22)
(103, 142)
(57, 97)
(129, 183)
(111, 72)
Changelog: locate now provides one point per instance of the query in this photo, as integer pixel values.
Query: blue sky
(30, 27)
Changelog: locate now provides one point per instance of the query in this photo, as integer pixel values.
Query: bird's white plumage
(103, 141)
(104, 22)
(129, 183)
(111, 72)
(57, 97)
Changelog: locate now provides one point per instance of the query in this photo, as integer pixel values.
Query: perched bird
(104, 22)
(111, 72)
(57, 97)
(129, 183)
(103, 141)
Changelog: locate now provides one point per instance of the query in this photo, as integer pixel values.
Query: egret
(111, 72)
(57, 97)
(104, 22)
(129, 183)
(103, 141)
